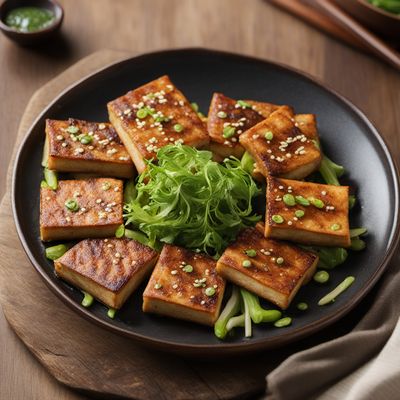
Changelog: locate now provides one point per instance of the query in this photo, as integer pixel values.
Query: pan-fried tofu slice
(272, 269)
(81, 209)
(309, 213)
(88, 147)
(109, 269)
(228, 118)
(184, 285)
(282, 146)
(153, 116)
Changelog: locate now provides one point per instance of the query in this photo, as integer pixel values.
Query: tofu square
(238, 116)
(81, 209)
(153, 116)
(318, 216)
(283, 147)
(184, 285)
(108, 269)
(275, 271)
(88, 147)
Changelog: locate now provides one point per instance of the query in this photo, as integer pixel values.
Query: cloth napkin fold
(362, 365)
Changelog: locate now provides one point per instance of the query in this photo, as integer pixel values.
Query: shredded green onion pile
(189, 200)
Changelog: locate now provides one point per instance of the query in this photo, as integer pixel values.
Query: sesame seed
(98, 201)
(115, 261)
(202, 302)
(64, 144)
(157, 286)
(110, 245)
(118, 255)
(102, 126)
(174, 272)
(116, 189)
(175, 286)
(68, 219)
(323, 193)
(290, 223)
(47, 198)
(60, 137)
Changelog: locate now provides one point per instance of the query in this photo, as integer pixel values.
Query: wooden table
(253, 27)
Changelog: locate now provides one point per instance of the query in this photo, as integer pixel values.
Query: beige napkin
(362, 365)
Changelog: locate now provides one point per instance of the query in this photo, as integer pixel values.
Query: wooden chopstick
(376, 45)
(316, 18)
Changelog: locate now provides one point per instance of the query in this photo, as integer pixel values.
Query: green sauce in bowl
(29, 19)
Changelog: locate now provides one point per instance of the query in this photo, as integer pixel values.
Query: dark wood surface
(252, 27)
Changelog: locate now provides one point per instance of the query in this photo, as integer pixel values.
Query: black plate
(347, 136)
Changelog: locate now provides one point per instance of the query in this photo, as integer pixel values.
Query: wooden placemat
(93, 360)
(78, 353)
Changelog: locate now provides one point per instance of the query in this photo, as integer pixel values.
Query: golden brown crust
(171, 285)
(98, 207)
(275, 282)
(291, 152)
(241, 118)
(110, 262)
(105, 147)
(146, 135)
(328, 225)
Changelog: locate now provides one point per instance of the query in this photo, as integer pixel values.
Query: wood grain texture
(253, 27)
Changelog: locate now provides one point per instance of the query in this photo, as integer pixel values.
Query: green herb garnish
(192, 201)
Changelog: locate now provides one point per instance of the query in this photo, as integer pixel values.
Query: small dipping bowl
(37, 36)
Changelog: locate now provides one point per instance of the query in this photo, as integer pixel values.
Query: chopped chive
(269, 135)
(302, 201)
(210, 291)
(243, 103)
(317, 203)
(246, 263)
(195, 106)
(73, 129)
(187, 268)
(331, 296)
(142, 113)
(51, 178)
(228, 132)
(54, 252)
(44, 185)
(111, 313)
(251, 253)
(281, 323)
(357, 232)
(105, 186)
(299, 213)
(178, 128)
(278, 219)
(321, 277)
(120, 231)
(335, 227)
(289, 200)
(72, 205)
(87, 300)
(357, 244)
(302, 306)
(86, 139)
(221, 114)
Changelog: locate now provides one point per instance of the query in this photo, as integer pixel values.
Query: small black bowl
(30, 38)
